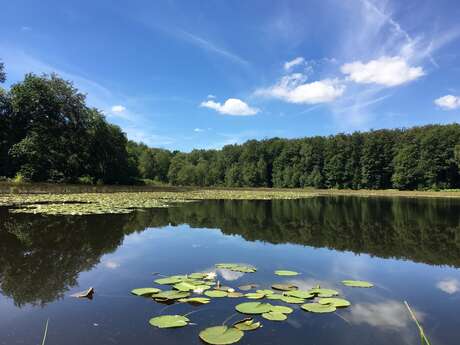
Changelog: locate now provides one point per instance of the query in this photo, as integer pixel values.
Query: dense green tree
(2, 72)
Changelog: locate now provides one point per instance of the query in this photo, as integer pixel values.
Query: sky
(203, 74)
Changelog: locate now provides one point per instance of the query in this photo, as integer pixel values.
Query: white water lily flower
(231, 290)
(198, 291)
(211, 275)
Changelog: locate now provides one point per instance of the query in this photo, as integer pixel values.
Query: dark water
(410, 248)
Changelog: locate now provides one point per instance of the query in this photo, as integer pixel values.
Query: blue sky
(203, 74)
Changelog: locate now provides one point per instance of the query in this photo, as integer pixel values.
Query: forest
(49, 134)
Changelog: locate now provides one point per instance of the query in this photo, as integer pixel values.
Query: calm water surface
(410, 248)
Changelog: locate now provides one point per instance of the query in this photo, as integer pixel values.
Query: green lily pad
(145, 291)
(247, 287)
(169, 321)
(318, 308)
(170, 295)
(184, 286)
(253, 308)
(196, 300)
(221, 335)
(357, 283)
(235, 294)
(323, 292)
(292, 300)
(247, 324)
(299, 294)
(336, 302)
(286, 273)
(282, 309)
(284, 287)
(274, 316)
(237, 267)
(216, 293)
(198, 275)
(266, 292)
(170, 280)
(254, 295)
(274, 296)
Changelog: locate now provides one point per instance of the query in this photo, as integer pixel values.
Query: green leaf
(170, 280)
(235, 294)
(254, 295)
(196, 300)
(286, 273)
(357, 283)
(323, 292)
(299, 294)
(292, 300)
(247, 287)
(284, 287)
(274, 296)
(274, 316)
(318, 308)
(253, 308)
(282, 309)
(216, 293)
(170, 295)
(169, 321)
(221, 335)
(145, 291)
(265, 292)
(247, 324)
(336, 302)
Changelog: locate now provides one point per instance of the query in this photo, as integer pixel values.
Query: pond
(408, 248)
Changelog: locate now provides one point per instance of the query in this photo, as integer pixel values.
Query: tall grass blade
(423, 337)
(46, 331)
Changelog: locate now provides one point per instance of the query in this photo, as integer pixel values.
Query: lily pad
(247, 287)
(196, 300)
(198, 275)
(286, 273)
(235, 294)
(282, 309)
(323, 292)
(284, 287)
(274, 296)
(292, 300)
(170, 295)
(336, 302)
(169, 321)
(145, 291)
(221, 335)
(299, 294)
(318, 308)
(170, 280)
(274, 316)
(253, 308)
(254, 295)
(247, 324)
(357, 283)
(216, 293)
(265, 292)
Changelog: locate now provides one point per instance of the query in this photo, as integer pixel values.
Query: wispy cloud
(232, 106)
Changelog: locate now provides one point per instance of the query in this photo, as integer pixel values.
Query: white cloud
(111, 264)
(288, 65)
(118, 109)
(211, 96)
(449, 286)
(448, 102)
(232, 106)
(387, 71)
(198, 130)
(294, 89)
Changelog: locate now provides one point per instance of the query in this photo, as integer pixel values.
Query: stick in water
(422, 332)
(46, 331)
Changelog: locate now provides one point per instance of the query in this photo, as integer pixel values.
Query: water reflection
(42, 256)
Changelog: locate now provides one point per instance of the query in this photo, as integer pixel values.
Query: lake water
(409, 248)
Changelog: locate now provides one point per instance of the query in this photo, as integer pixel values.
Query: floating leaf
(216, 293)
(286, 273)
(145, 291)
(299, 294)
(198, 275)
(265, 292)
(184, 286)
(336, 302)
(284, 287)
(357, 283)
(170, 280)
(247, 324)
(282, 309)
(197, 300)
(318, 308)
(254, 295)
(84, 294)
(247, 287)
(237, 267)
(169, 321)
(292, 300)
(235, 294)
(221, 335)
(274, 316)
(253, 308)
(323, 292)
(274, 296)
(170, 295)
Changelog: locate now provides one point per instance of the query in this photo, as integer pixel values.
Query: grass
(424, 339)
(46, 332)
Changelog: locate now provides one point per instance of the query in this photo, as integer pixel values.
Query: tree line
(48, 133)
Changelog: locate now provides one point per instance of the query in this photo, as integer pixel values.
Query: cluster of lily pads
(201, 287)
